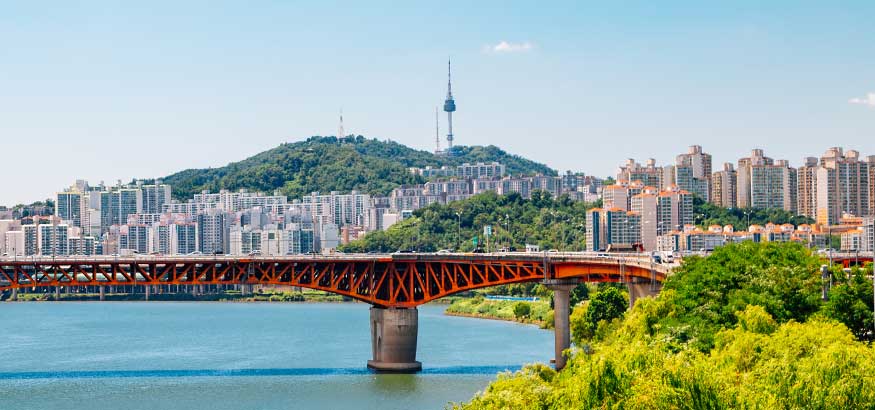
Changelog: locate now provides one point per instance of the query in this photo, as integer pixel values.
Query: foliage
(707, 214)
(539, 311)
(782, 278)
(579, 294)
(850, 302)
(743, 328)
(606, 305)
(521, 310)
(542, 220)
(335, 164)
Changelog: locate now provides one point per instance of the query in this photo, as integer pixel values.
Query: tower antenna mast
(437, 133)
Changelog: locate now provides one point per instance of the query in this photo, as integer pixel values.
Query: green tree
(522, 310)
(780, 277)
(850, 302)
(606, 305)
(542, 220)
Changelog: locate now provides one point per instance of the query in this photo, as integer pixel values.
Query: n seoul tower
(449, 107)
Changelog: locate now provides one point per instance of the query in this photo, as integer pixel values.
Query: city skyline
(89, 86)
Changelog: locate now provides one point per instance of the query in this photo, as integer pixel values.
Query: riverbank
(536, 313)
(305, 296)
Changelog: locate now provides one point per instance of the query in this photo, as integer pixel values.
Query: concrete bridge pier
(561, 317)
(102, 293)
(393, 340)
(642, 289)
(14, 296)
(148, 291)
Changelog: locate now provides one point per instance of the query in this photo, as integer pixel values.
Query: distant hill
(330, 164)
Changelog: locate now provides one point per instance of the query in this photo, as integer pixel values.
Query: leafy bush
(522, 310)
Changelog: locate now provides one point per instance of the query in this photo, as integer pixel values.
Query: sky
(109, 90)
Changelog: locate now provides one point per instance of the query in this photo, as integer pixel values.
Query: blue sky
(117, 90)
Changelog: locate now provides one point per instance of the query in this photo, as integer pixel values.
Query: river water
(216, 356)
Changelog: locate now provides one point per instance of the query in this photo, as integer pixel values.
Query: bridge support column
(393, 340)
(148, 291)
(102, 293)
(561, 317)
(639, 290)
(57, 293)
(14, 296)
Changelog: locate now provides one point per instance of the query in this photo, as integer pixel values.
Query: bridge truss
(390, 281)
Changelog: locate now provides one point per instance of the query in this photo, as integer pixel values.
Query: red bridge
(393, 284)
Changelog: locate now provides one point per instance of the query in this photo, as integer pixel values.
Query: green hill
(548, 222)
(331, 164)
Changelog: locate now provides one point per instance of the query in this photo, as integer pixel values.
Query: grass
(541, 314)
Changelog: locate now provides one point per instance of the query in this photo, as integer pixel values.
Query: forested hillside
(331, 164)
(550, 223)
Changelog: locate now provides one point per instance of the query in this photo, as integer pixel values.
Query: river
(216, 356)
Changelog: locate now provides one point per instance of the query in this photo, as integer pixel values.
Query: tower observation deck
(449, 107)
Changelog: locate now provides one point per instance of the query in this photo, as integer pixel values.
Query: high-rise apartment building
(213, 232)
(52, 239)
(134, 238)
(806, 191)
(842, 185)
(871, 161)
(649, 174)
(337, 208)
(595, 235)
(612, 227)
(154, 197)
(691, 172)
(675, 210)
(245, 240)
(175, 238)
(68, 206)
(697, 160)
(646, 206)
(765, 183)
(7, 225)
(724, 191)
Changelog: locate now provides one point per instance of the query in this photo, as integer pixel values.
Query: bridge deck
(388, 280)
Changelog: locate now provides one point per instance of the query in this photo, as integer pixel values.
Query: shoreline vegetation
(526, 312)
(224, 296)
(745, 327)
(232, 296)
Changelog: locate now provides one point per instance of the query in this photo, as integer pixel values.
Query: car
(255, 253)
(404, 251)
(444, 251)
(553, 251)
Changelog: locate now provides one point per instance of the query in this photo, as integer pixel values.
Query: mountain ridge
(337, 164)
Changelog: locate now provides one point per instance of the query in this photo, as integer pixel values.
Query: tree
(850, 302)
(522, 310)
(780, 277)
(606, 305)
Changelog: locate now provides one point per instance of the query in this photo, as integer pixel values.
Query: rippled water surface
(241, 356)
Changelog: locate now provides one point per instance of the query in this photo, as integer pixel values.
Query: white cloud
(508, 47)
(869, 100)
